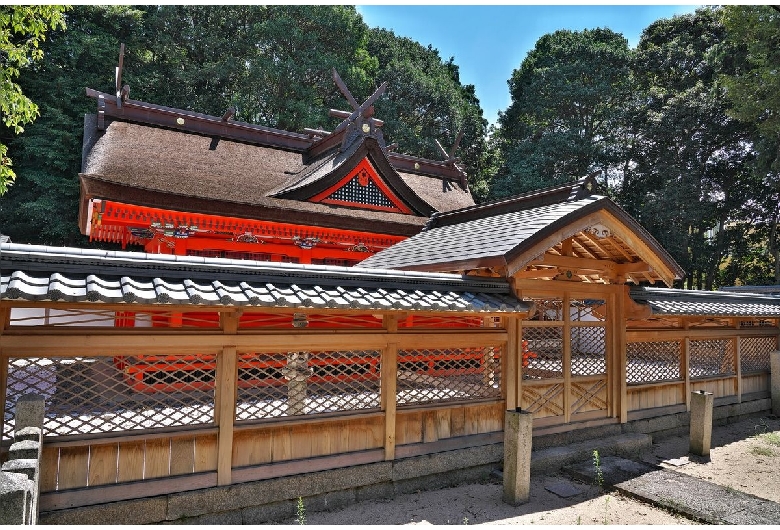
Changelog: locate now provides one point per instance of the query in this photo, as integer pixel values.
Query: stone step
(552, 459)
(690, 496)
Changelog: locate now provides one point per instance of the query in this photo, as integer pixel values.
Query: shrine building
(312, 313)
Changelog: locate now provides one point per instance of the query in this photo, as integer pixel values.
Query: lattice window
(543, 352)
(361, 190)
(711, 358)
(761, 323)
(296, 383)
(588, 310)
(457, 374)
(547, 308)
(446, 321)
(754, 353)
(588, 350)
(648, 362)
(105, 394)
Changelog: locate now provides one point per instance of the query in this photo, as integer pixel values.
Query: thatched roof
(239, 170)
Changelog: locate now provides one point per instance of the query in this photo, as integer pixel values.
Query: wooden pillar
(3, 384)
(618, 325)
(685, 369)
(738, 366)
(225, 412)
(5, 317)
(387, 387)
(512, 372)
(566, 361)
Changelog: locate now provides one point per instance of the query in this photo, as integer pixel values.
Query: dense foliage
(672, 128)
(684, 130)
(22, 30)
(273, 63)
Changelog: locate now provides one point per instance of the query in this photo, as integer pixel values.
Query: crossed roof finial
(362, 114)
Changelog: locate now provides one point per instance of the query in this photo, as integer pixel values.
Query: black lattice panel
(754, 353)
(588, 350)
(543, 352)
(114, 394)
(457, 374)
(711, 358)
(298, 383)
(354, 192)
(648, 362)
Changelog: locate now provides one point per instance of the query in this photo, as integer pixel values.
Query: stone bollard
(774, 365)
(29, 412)
(518, 427)
(701, 422)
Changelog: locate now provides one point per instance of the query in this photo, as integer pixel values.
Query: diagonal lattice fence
(754, 353)
(426, 376)
(283, 384)
(543, 352)
(96, 395)
(650, 362)
(588, 351)
(711, 357)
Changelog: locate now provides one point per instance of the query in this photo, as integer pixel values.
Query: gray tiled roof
(490, 237)
(88, 275)
(706, 303)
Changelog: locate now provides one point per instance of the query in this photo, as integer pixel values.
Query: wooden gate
(567, 373)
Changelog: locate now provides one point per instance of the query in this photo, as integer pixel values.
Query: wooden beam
(229, 321)
(225, 412)
(35, 344)
(537, 273)
(566, 247)
(511, 367)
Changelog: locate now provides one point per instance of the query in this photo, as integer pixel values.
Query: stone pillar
(774, 364)
(296, 371)
(701, 422)
(29, 412)
(518, 426)
(16, 493)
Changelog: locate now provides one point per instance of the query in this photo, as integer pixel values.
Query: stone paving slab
(564, 488)
(690, 496)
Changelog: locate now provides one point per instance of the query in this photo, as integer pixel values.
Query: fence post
(225, 411)
(518, 430)
(774, 366)
(387, 385)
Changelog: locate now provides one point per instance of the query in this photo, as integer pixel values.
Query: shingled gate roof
(680, 302)
(511, 234)
(40, 273)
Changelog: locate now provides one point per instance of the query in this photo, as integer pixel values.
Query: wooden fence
(152, 411)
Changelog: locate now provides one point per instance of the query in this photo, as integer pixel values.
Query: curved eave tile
(155, 291)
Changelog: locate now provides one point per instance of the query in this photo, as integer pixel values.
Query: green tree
(425, 101)
(565, 116)
(22, 30)
(689, 176)
(753, 88)
(271, 62)
(42, 206)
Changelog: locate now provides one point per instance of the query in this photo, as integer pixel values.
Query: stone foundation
(276, 499)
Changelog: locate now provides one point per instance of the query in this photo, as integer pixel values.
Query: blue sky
(490, 41)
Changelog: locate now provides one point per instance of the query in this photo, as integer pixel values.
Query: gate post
(518, 426)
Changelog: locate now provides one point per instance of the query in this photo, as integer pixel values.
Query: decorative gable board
(362, 188)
